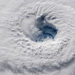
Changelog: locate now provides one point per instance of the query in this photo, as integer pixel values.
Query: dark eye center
(47, 29)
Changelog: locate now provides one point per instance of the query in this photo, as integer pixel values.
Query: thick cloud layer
(37, 38)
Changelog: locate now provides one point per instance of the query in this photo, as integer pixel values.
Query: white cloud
(20, 53)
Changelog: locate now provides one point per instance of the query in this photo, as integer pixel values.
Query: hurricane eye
(38, 29)
(48, 30)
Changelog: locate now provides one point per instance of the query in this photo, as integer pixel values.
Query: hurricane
(37, 38)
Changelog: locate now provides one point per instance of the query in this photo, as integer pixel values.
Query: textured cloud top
(37, 37)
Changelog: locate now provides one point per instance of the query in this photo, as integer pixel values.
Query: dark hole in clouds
(48, 30)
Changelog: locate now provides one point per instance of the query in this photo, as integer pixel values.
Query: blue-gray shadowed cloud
(47, 29)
